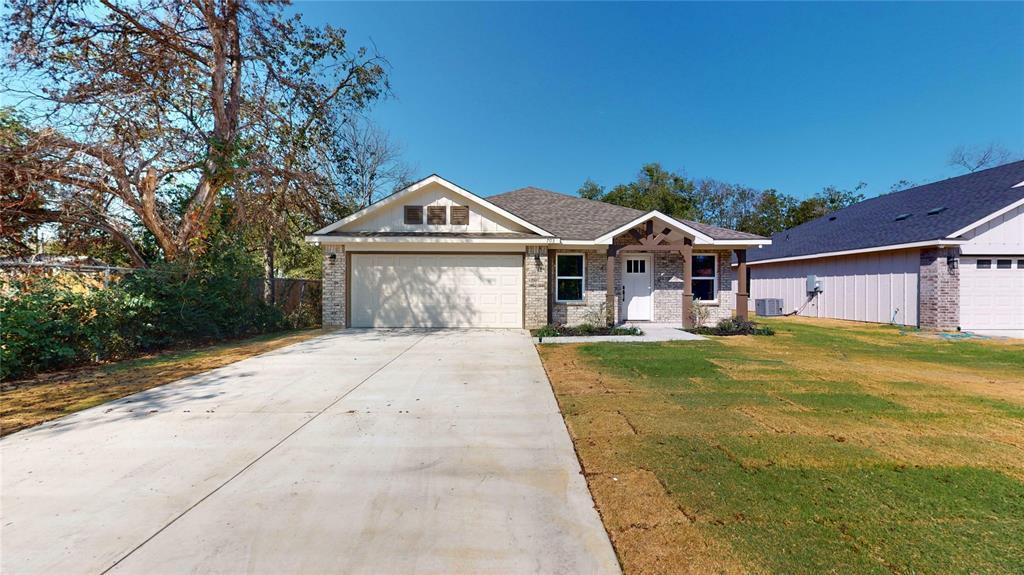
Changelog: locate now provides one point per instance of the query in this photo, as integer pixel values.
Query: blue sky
(795, 97)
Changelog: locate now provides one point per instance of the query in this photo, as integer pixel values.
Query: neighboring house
(436, 255)
(944, 256)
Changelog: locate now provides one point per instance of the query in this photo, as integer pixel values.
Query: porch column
(741, 284)
(610, 287)
(687, 253)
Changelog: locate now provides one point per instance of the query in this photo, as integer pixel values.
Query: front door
(637, 288)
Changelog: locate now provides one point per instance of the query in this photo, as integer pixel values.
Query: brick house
(436, 255)
(943, 256)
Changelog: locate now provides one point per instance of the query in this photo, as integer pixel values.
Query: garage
(437, 290)
(992, 293)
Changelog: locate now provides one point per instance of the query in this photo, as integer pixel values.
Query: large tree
(654, 188)
(132, 101)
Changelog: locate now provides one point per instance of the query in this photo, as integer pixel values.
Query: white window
(705, 277)
(569, 273)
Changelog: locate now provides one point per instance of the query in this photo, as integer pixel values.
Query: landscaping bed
(833, 447)
(583, 330)
(733, 326)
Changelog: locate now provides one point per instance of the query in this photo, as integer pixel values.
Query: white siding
(868, 287)
(1001, 235)
(392, 217)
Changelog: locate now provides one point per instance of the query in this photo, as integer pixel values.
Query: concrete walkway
(357, 452)
(652, 332)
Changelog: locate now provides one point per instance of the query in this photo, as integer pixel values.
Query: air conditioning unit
(768, 307)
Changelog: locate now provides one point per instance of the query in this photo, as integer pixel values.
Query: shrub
(47, 324)
(735, 326)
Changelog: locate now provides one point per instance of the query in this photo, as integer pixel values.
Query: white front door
(636, 288)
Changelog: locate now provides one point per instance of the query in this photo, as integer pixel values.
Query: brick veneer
(334, 286)
(594, 290)
(536, 285)
(939, 290)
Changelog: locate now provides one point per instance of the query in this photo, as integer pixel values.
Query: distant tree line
(761, 212)
(718, 203)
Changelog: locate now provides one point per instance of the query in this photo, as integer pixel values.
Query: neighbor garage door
(992, 293)
(409, 290)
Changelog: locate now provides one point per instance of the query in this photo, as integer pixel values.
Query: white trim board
(989, 217)
(893, 247)
(698, 237)
(432, 179)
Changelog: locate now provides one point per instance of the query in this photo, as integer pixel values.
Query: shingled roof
(573, 218)
(929, 212)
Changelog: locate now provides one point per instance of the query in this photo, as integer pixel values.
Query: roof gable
(376, 217)
(931, 212)
(575, 218)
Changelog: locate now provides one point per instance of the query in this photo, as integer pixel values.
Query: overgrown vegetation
(833, 447)
(49, 323)
(555, 330)
(734, 326)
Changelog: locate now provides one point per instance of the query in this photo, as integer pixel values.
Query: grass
(28, 402)
(834, 447)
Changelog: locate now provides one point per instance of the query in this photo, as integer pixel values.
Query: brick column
(334, 304)
(687, 253)
(939, 296)
(535, 270)
(741, 284)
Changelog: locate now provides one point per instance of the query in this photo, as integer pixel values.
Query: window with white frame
(569, 277)
(705, 277)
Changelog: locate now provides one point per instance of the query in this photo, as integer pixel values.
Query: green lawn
(832, 447)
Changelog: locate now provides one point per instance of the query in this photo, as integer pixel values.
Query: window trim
(582, 277)
(1000, 262)
(978, 264)
(715, 278)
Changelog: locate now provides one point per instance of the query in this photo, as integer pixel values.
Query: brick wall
(594, 291)
(535, 272)
(939, 290)
(334, 286)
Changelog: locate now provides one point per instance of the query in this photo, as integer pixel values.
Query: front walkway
(357, 452)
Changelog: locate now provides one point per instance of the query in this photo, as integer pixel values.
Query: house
(436, 255)
(943, 256)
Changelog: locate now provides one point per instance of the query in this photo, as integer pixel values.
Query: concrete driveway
(357, 452)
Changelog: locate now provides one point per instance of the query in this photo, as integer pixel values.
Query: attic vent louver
(902, 217)
(831, 218)
(935, 211)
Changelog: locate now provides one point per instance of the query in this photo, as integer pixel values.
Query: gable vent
(935, 211)
(460, 215)
(902, 217)
(437, 215)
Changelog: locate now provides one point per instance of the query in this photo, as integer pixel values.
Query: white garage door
(992, 293)
(410, 290)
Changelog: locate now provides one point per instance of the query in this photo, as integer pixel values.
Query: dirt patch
(28, 402)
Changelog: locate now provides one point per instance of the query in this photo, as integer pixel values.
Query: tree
(134, 98)
(771, 214)
(978, 158)
(654, 189)
(375, 165)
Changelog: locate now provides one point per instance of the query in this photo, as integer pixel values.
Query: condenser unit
(768, 307)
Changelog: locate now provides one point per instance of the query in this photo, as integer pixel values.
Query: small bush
(584, 330)
(735, 326)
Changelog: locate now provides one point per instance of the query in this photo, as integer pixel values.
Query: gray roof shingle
(872, 223)
(573, 218)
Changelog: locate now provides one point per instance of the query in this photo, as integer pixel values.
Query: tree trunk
(268, 271)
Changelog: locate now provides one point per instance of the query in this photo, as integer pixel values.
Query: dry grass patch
(28, 402)
(834, 447)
